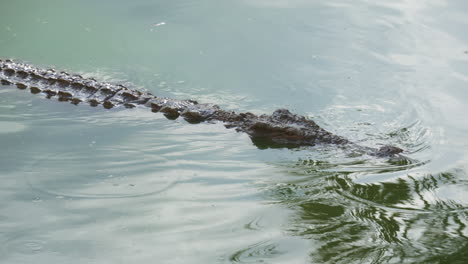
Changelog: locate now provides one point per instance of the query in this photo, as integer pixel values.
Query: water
(88, 185)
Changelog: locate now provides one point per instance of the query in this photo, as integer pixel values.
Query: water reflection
(417, 218)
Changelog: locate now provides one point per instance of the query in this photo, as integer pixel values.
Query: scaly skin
(280, 129)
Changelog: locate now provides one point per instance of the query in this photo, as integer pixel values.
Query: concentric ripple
(104, 173)
(24, 246)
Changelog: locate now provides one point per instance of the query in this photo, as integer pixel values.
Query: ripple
(254, 224)
(256, 253)
(332, 160)
(23, 246)
(393, 184)
(426, 193)
(99, 173)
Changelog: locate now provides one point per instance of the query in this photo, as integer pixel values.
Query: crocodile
(280, 129)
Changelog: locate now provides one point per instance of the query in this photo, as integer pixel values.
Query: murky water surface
(88, 185)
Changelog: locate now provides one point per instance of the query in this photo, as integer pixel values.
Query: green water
(88, 185)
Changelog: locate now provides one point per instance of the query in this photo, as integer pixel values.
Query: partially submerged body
(280, 129)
